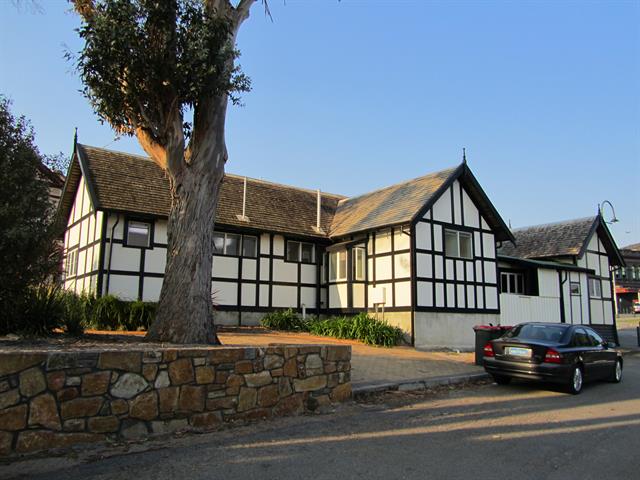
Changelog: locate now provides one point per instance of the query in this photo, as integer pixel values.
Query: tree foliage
(28, 252)
(144, 59)
(145, 64)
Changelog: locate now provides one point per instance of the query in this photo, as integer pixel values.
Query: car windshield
(532, 331)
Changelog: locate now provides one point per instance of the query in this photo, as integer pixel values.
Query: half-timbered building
(421, 253)
(560, 272)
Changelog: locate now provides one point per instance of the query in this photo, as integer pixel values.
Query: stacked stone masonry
(52, 399)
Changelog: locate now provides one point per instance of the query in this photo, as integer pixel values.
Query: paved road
(514, 432)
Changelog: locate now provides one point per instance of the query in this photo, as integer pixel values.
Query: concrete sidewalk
(376, 368)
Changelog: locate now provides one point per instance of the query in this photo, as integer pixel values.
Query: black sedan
(552, 352)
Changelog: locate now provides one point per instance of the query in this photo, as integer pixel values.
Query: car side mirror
(605, 344)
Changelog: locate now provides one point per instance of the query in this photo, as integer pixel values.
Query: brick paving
(369, 365)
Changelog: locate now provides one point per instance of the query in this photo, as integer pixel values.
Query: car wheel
(576, 380)
(501, 380)
(616, 376)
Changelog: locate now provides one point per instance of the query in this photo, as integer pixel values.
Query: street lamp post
(614, 219)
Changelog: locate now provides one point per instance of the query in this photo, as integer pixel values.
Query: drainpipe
(111, 252)
(563, 318)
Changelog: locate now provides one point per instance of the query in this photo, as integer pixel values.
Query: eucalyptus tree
(146, 66)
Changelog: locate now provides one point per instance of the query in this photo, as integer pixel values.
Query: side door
(604, 358)
(586, 352)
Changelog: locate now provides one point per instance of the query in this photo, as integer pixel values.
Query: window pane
(138, 234)
(342, 265)
(307, 252)
(218, 243)
(359, 263)
(465, 245)
(333, 266)
(293, 251)
(520, 278)
(512, 283)
(249, 246)
(504, 279)
(232, 244)
(451, 244)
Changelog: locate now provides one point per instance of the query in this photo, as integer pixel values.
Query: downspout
(563, 317)
(111, 252)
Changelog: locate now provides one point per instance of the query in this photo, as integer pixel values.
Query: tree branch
(84, 8)
(241, 13)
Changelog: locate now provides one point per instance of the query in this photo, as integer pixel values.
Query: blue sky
(354, 95)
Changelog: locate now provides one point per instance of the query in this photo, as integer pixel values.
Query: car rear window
(547, 333)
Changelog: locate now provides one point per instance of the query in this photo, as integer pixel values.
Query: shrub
(141, 314)
(76, 310)
(360, 327)
(283, 320)
(108, 313)
(42, 311)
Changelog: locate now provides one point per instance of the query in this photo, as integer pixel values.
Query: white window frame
(516, 275)
(359, 259)
(338, 273)
(138, 224)
(595, 293)
(71, 264)
(458, 253)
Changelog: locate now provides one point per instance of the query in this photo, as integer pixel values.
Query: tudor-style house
(560, 272)
(422, 253)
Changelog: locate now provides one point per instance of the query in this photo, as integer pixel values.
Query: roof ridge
(404, 182)
(227, 174)
(559, 222)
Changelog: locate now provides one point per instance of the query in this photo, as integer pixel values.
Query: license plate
(518, 351)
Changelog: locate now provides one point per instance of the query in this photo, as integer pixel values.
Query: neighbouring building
(54, 181)
(560, 272)
(627, 279)
(423, 252)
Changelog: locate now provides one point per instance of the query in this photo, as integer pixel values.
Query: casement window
(457, 244)
(338, 265)
(359, 259)
(300, 252)
(71, 264)
(575, 288)
(138, 234)
(595, 288)
(512, 282)
(231, 244)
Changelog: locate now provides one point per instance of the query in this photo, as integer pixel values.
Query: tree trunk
(185, 310)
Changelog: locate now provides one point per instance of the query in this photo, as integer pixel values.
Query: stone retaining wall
(52, 399)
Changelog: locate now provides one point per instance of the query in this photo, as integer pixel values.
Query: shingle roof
(391, 205)
(635, 247)
(132, 183)
(550, 240)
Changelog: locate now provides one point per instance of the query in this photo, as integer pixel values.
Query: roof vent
(317, 228)
(243, 217)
